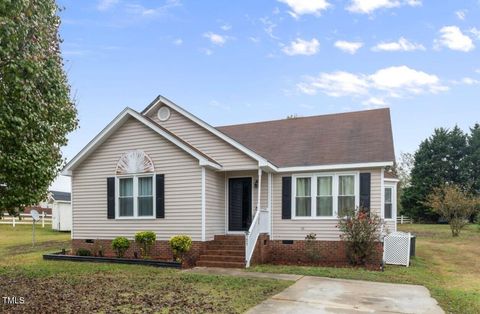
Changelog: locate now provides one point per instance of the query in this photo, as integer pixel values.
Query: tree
(452, 204)
(36, 112)
(402, 169)
(471, 165)
(437, 161)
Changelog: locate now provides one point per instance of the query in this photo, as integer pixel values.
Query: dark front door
(239, 204)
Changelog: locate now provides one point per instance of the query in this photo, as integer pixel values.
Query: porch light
(256, 184)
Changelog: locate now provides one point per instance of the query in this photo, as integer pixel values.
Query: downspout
(203, 204)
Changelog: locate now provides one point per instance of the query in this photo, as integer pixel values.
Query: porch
(247, 203)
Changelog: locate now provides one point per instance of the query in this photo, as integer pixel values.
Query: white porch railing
(260, 224)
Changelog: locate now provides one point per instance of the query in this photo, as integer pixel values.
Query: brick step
(228, 242)
(225, 258)
(214, 246)
(226, 252)
(229, 237)
(221, 264)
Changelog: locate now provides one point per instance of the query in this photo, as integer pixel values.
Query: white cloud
(475, 32)
(300, 7)
(348, 46)
(336, 84)
(402, 79)
(401, 45)
(268, 27)
(253, 39)
(470, 81)
(206, 51)
(216, 39)
(145, 12)
(302, 47)
(369, 6)
(374, 102)
(226, 27)
(461, 14)
(375, 88)
(104, 5)
(453, 38)
(178, 42)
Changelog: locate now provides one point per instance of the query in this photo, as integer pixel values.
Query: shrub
(180, 245)
(360, 231)
(453, 205)
(311, 247)
(120, 245)
(84, 252)
(146, 240)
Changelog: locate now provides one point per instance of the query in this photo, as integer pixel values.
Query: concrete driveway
(324, 295)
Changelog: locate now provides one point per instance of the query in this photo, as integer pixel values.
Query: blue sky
(240, 61)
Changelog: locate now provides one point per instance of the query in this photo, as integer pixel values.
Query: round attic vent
(163, 113)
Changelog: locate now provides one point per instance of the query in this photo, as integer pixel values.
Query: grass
(448, 267)
(107, 288)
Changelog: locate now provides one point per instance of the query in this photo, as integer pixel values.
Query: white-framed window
(135, 196)
(324, 195)
(303, 197)
(389, 204)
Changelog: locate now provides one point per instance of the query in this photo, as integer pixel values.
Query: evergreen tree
(471, 165)
(438, 161)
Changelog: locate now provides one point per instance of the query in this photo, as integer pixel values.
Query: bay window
(324, 195)
(135, 197)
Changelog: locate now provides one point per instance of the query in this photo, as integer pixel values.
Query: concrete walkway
(324, 295)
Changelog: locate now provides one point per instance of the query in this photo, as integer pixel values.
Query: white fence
(404, 220)
(26, 219)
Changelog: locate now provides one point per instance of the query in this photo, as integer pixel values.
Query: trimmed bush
(120, 245)
(180, 245)
(146, 240)
(84, 252)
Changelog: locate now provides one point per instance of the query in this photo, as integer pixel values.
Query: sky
(232, 62)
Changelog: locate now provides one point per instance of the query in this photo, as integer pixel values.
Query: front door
(239, 204)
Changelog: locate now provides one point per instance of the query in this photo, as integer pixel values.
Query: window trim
(393, 186)
(313, 193)
(135, 195)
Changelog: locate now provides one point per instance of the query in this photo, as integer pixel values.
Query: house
(47, 205)
(245, 193)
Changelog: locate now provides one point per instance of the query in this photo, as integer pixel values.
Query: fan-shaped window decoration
(135, 161)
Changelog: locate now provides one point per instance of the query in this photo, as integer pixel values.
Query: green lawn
(55, 286)
(448, 267)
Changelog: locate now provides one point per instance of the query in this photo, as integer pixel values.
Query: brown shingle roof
(353, 137)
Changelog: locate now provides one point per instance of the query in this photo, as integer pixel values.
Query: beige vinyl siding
(227, 155)
(182, 187)
(391, 226)
(326, 230)
(215, 203)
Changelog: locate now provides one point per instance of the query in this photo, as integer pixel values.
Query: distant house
(245, 193)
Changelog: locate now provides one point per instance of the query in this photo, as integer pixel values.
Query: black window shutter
(365, 182)
(160, 196)
(111, 198)
(286, 197)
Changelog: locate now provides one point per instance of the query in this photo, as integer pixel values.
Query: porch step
(223, 258)
(223, 264)
(215, 246)
(224, 251)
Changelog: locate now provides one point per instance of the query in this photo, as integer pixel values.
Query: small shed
(61, 210)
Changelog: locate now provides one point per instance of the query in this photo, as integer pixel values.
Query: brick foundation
(161, 249)
(328, 253)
